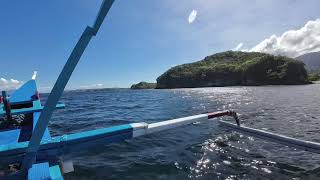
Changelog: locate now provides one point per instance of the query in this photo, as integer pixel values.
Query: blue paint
(104, 9)
(24, 93)
(17, 146)
(9, 137)
(36, 115)
(73, 141)
(36, 104)
(39, 172)
(28, 110)
(105, 131)
(55, 173)
(44, 169)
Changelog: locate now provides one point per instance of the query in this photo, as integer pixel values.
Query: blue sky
(139, 40)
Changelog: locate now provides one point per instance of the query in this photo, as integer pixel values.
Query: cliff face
(235, 68)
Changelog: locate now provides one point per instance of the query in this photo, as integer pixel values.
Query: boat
(27, 150)
(15, 138)
(20, 114)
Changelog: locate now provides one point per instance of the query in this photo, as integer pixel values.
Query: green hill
(235, 68)
(144, 85)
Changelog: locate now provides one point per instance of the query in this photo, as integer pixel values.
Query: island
(235, 68)
(144, 85)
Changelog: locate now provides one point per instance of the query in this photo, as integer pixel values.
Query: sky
(141, 39)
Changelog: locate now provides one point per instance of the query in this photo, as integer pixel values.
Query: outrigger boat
(27, 151)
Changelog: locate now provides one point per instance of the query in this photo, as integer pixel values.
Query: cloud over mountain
(239, 46)
(293, 43)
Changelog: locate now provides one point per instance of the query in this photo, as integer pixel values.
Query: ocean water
(199, 151)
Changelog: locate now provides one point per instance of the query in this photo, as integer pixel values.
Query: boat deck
(21, 100)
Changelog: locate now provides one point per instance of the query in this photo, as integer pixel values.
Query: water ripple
(200, 151)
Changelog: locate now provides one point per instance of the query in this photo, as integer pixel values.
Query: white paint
(160, 126)
(67, 166)
(34, 76)
(288, 141)
(140, 129)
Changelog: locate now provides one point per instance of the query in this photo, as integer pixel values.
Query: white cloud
(92, 86)
(239, 46)
(3, 81)
(192, 16)
(293, 43)
(9, 84)
(14, 81)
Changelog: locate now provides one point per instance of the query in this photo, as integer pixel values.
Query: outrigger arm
(60, 85)
(59, 145)
(273, 137)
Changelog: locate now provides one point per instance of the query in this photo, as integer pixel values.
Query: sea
(199, 151)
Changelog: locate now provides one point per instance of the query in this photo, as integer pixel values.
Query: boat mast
(61, 83)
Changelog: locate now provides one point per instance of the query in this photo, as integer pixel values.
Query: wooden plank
(9, 137)
(39, 171)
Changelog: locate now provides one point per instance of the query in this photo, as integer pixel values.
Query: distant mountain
(312, 61)
(235, 68)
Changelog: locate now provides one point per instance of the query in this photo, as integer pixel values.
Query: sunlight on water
(201, 150)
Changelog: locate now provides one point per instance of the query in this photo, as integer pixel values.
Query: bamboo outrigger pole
(61, 83)
(281, 139)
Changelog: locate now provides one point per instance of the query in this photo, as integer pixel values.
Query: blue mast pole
(61, 83)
